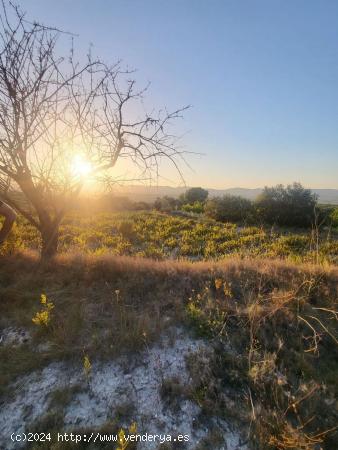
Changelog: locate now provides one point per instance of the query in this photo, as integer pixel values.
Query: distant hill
(150, 193)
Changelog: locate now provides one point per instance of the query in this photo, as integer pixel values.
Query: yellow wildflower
(123, 442)
(87, 367)
(43, 317)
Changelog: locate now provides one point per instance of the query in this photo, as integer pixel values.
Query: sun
(80, 166)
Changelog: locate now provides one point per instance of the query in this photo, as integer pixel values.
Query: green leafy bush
(229, 208)
(290, 206)
(195, 194)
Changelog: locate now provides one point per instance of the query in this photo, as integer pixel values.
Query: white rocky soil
(135, 382)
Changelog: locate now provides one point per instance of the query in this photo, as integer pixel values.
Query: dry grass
(271, 325)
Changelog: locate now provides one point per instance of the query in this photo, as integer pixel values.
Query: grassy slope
(273, 350)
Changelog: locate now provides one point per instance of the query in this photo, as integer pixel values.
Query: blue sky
(261, 75)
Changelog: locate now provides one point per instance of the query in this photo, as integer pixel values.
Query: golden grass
(29, 262)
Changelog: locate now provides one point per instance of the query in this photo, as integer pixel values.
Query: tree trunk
(50, 238)
(48, 227)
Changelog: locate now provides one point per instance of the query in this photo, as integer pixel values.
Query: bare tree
(53, 107)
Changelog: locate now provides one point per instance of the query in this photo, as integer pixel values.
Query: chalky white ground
(135, 381)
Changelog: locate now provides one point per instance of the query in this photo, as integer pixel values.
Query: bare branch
(53, 107)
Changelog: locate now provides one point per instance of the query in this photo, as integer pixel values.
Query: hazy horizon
(150, 193)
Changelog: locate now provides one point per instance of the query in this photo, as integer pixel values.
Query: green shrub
(229, 208)
(290, 206)
(195, 194)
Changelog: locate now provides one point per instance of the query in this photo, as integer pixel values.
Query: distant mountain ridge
(150, 193)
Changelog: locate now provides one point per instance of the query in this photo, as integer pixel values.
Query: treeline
(292, 205)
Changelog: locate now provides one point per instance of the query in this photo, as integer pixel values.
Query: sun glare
(80, 166)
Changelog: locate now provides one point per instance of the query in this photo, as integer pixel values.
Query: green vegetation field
(157, 235)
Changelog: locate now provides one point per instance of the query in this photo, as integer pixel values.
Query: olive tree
(292, 205)
(194, 194)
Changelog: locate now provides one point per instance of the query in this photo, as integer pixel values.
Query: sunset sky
(262, 77)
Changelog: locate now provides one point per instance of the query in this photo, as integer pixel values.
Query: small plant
(87, 366)
(43, 317)
(123, 440)
(208, 312)
(218, 283)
